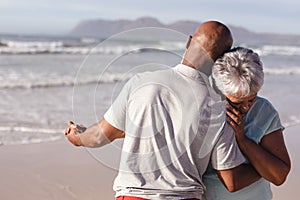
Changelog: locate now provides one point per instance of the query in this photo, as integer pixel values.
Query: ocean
(45, 81)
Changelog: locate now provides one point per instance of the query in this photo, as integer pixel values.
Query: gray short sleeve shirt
(174, 125)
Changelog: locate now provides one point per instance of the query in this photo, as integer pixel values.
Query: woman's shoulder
(262, 107)
(263, 118)
(263, 102)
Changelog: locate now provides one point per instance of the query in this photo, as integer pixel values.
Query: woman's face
(241, 104)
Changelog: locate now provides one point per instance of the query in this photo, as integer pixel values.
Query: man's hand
(72, 133)
(97, 135)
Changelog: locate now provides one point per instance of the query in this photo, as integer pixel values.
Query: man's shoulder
(156, 72)
(163, 75)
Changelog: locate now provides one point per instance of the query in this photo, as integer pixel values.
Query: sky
(56, 17)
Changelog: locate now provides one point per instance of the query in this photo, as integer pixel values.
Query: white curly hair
(238, 73)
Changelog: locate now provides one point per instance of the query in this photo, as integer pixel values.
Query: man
(172, 123)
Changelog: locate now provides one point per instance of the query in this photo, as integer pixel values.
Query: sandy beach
(58, 170)
(54, 170)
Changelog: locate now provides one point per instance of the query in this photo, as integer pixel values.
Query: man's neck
(205, 67)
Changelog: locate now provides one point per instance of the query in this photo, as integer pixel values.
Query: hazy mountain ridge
(104, 28)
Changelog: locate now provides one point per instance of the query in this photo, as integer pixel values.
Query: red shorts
(138, 198)
(129, 198)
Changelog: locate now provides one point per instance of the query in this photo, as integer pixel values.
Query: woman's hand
(236, 120)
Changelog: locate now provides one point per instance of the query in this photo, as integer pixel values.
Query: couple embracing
(186, 137)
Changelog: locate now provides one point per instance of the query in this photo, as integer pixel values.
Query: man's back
(167, 116)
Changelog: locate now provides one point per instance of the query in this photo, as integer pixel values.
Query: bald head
(214, 37)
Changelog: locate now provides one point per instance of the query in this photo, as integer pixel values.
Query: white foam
(277, 50)
(88, 45)
(12, 135)
(282, 71)
(85, 46)
(29, 129)
(293, 121)
(13, 80)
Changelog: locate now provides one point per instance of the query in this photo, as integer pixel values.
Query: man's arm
(96, 135)
(111, 127)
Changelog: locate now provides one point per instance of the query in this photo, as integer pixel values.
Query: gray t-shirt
(174, 126)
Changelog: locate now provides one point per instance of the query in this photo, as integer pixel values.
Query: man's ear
(188, 42)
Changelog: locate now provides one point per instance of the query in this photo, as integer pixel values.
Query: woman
(258, 130)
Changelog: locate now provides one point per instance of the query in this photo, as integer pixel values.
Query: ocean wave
(95, 46)
(11, 135)
(31, 81)
(84, 46)
(265, 50)
(14, 80)
(282, 71)
(293, 121)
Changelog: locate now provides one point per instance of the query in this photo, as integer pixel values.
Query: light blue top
(261, 119)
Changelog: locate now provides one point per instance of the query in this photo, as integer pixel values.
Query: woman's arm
(270, 158)
(239, 177)
(280, 165)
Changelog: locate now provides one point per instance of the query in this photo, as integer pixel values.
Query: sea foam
(22, 134)
(14, 80)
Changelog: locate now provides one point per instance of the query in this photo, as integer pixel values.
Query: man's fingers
(71, 129)
(67, 131)
(71, 124)
(80, 128)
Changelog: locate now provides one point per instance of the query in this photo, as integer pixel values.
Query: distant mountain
(105, 28)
